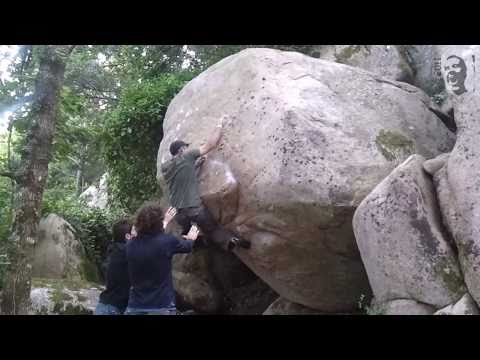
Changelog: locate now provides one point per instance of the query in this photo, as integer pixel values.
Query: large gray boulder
(307, 140)
(402, 242)
(58, 253)
(461, 181)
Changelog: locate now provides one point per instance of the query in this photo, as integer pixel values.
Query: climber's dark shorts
(214, 232)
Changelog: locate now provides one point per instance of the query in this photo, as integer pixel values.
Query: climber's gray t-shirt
(180, 175)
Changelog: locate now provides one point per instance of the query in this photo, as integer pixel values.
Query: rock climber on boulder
(181, 176)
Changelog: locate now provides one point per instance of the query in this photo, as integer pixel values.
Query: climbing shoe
(245, 244)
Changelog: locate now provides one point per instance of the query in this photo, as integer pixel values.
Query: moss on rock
(394, 145)
(58, 296)
(346, 53)
(452, 280)
(66, 296)
(75, 310)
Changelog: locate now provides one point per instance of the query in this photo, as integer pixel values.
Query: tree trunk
(32, 178)
(81, 171)
(79, 182)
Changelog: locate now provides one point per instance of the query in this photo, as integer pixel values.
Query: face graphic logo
(455, 74)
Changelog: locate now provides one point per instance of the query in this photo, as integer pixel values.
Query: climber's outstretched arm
(212, 142)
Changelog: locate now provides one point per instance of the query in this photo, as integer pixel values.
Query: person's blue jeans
(107, 309)
(164, 311)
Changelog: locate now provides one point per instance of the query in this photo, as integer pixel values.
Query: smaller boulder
(405, 307)
(63, 297)
(282, 306)
(465, 306)
(403, 243)
(58, 254)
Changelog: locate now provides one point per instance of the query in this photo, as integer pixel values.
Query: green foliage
(147, 61)
(5, 191)
(5, 220)
(132, 135)
(77, 143)
(5, 207)
(369, 309)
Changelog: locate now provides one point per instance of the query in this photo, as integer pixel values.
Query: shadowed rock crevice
(448, 119)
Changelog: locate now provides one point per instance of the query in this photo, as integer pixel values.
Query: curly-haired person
(149, 257)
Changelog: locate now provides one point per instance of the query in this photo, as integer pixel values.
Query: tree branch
(110, 65)
(86, 85)
(26, 58)
(8, 174)
(100, 97)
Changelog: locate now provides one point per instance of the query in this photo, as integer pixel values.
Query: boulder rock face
(307, 140)
(432, 166)
(384, 60)
(425, 61)
(461, 182)
(405, 307)
(58, 253)
(96, 195)
(63, 297)
(465, 306)
(400, 235)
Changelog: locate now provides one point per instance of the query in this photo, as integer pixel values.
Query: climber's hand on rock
(200, 161)
(169, 215)
(223, 121)
(193, 233)
(133, 232)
